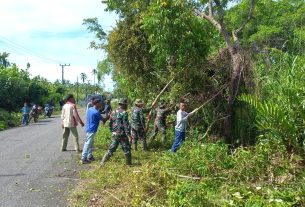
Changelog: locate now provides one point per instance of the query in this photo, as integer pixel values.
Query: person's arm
(126, 124)
(62, 117)
(77, 117)
(111, 123)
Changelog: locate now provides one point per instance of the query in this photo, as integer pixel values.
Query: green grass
(263, 175)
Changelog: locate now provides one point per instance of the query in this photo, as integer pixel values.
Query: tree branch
(210, 8)
(211, 19)
(246, 20)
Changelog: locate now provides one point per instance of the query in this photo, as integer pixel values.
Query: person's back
(93, 119)
(118, 122)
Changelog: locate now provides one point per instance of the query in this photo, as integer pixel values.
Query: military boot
(128, 159)
(105, 158)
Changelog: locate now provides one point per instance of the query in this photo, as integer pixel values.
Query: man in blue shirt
(93, 119)
(25, 114)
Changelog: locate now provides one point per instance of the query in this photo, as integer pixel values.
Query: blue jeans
(88, 146)
(25, 118)
(179, 138)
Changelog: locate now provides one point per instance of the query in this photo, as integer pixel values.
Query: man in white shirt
(70, 119)
(180, 127)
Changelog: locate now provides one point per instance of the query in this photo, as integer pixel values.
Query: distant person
(90, 104)
(25, 114)
(61, 104)
(108, 108)
(180, 127)
(70, 119)
(93, 119)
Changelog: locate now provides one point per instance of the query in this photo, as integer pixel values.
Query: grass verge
(200, 174)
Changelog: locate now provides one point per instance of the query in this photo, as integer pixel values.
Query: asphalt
(33, 169)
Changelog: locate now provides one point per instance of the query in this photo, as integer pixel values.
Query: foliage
(280, 109)
(258, 176)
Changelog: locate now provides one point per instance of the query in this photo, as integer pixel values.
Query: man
(90, 104)
(70, 119)
(160, 121)
(25, 114)
(108, 108)
(180, 127)
(138, 124)
(93, 119)
(120, 130)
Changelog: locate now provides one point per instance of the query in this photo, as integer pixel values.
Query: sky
(49, 33)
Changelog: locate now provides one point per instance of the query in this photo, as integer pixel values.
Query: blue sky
(49, 33)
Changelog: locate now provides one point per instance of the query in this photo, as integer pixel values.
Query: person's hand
(82, 124)
(62, 126)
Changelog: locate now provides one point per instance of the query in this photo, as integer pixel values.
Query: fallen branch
(116, 198)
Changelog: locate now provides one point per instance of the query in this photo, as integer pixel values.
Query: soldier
(138, 124)
(120, 130)
(160, 121)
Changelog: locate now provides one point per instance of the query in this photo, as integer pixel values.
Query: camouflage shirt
(138, 118)
(160, 120)
(118, 122)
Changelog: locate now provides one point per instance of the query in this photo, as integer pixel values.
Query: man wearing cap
(138, 124)
(120, 130)
(70, 118)
(160, 121)
(93, 119)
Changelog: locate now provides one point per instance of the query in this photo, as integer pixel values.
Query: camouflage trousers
(116, 140)
(157, 128)
(136, 135)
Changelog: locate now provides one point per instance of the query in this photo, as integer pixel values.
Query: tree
(94, 73)
(3, 59)
(214, 12)
(83, 77)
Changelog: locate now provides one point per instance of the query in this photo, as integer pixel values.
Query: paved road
(33, 170)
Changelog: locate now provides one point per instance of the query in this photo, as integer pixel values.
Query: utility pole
(62, 72)
(77, 90)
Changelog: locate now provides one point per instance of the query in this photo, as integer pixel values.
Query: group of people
(122, 131)
(29, 113)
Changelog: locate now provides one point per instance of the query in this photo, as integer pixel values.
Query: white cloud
(37, 31)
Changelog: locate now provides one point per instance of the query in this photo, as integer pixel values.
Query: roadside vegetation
(245, 147)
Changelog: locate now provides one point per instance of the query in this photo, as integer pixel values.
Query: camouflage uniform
(138, 126)
(120, 129)
(160, 122)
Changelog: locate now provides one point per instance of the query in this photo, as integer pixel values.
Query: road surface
(33, 169)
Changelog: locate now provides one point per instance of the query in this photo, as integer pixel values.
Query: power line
(25, 50)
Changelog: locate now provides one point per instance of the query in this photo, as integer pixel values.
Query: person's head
(123, 103)
(25, 104)
(108, 101)
(182, 105)
(70, 98)
(139, 103)
(92, 99)
(97, 103)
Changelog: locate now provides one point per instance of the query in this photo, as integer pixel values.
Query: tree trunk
(236, 54)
